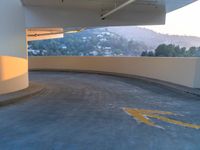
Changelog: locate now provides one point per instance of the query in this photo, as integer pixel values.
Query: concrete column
(13, 52)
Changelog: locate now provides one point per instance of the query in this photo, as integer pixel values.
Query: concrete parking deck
(79, 111)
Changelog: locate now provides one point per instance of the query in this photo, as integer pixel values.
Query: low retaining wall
(182, 71)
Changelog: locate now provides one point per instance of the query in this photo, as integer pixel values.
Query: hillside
(153, 39)
(112, 41)
(91, 42)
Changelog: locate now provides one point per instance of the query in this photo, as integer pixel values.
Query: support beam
(103, 17)
(49, 33)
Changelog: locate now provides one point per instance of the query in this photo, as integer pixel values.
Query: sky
(184, 21)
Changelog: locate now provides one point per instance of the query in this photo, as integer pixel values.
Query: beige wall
(13, 53)
(182, 71)
(197, 74)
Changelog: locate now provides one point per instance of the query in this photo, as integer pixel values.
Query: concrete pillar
(13, 53)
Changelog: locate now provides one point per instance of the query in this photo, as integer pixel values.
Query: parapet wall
(182, 71)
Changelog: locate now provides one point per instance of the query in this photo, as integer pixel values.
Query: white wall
(182, 71)
(12, 28)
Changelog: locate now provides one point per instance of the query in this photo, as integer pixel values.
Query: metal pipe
(103, 17)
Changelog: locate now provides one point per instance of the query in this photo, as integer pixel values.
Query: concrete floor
(84, 112)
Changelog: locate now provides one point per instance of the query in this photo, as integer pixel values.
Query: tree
(151, 54)
(144, 53)
(164, 50)
(192, 52)
(171, 50)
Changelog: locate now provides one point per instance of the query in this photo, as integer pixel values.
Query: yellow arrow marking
(142, 115)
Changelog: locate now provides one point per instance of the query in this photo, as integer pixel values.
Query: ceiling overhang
(93, 13)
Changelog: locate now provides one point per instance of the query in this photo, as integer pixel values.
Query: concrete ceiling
(172, 5)
(87, 13)
(86, 4)
(105, 4)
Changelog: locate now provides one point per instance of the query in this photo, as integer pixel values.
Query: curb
(20, 96)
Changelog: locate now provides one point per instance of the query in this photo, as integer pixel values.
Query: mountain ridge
(152, 39)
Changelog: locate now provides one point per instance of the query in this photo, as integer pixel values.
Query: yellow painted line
(143, 116)
(139, 117)
(180, 123)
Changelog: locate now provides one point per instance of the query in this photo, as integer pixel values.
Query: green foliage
(171, 50)
(146, 53)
